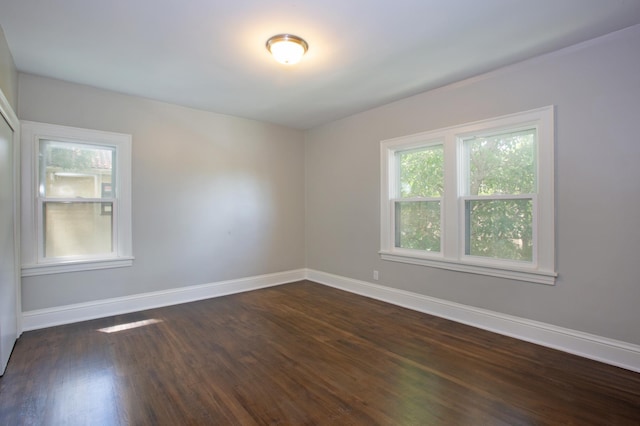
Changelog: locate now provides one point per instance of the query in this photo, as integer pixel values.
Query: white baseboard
(614, 352)
(42, 318)
(609, 351)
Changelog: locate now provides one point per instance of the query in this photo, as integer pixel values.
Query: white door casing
(9, 232)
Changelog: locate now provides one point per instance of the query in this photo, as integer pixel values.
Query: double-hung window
(474, 198)
(417, 203)
(77, 199)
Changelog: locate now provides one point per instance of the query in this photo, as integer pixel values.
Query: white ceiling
(210, 54)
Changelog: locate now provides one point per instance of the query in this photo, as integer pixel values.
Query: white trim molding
(83, 265)
(609, 351)
(453, 251)
(8, 114)
(34, 259)
(42, 318)
(540, 277)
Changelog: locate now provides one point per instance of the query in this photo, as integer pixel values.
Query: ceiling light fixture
(286, 48)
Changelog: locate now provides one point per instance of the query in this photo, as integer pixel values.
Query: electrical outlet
(375, 275)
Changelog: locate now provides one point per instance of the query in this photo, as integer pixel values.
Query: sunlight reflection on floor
(129, 326)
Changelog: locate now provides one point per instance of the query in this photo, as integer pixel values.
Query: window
(76, 199)
(474, 198)
(418, 206)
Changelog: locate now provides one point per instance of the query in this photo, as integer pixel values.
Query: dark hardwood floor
(299, 354)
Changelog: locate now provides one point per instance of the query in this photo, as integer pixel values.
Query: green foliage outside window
(502, 164)
(496, 167)
(422, 172)
(75, 157)
(421, 176)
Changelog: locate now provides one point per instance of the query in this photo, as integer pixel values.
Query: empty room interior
(429, 216)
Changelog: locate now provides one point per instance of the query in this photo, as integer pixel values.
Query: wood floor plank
(302, 354)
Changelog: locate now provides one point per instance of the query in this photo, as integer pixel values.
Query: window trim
(33, 262)
(542, 268)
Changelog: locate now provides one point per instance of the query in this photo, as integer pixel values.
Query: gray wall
(214, 197)
(8, 73)
(596, 90)
(217, 197)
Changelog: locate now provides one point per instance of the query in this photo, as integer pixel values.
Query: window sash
(81, 146)
(42, 256)
(465, 152)
(426, 147)
(394, 207)
(465, 235)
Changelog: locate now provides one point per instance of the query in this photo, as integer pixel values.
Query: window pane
(70, 170)
(499, 229)
(421, 172)
(502, 164)
(418, 225)
(77, 229)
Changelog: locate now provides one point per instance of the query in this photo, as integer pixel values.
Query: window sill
(520, 274)
(75, 266)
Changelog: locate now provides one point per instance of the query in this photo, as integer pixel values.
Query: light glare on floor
(129, 326)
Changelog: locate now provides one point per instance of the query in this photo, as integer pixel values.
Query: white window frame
(542, 268)
(33, 261)
(395, 197)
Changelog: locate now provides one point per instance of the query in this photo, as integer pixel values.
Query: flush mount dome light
(286, 48)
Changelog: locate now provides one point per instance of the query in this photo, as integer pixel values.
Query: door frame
(12, 119)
